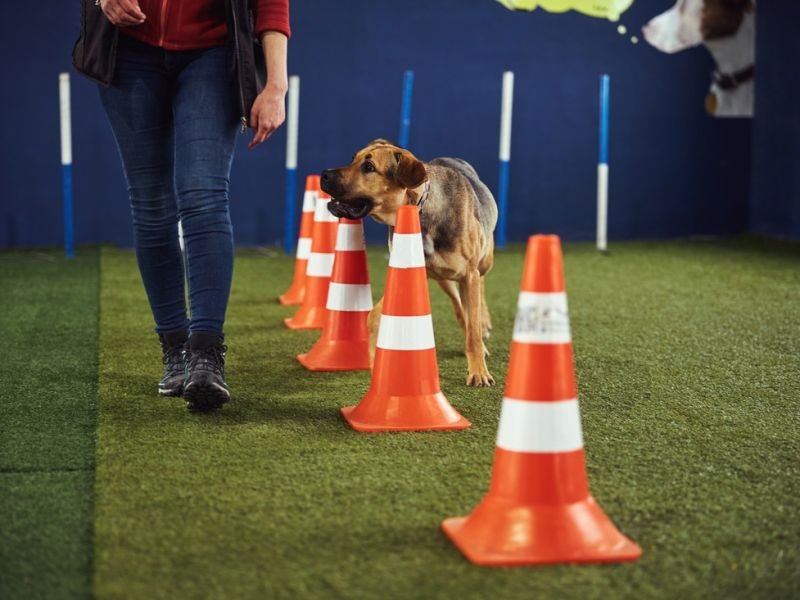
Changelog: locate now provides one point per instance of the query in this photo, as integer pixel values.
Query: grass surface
(688, 367)
(48, 371)
(688, 364)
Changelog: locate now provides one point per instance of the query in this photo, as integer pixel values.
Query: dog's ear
(743, 5)
(722, 18)
(410, 172)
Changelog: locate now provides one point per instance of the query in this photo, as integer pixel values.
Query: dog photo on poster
(725, 27)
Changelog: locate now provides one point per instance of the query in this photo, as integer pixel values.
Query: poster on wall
(602, 9)
(725, 27)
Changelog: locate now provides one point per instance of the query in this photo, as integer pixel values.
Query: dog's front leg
(373, 322)
(477, 372)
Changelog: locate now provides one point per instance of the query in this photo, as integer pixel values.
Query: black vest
(95, 51)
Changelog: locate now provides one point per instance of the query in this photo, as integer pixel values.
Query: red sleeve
(272, 15)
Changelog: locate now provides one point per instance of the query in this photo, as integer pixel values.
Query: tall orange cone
(344, 344)
(538, 509)
(312, 313)
(296, 292)
(404, 394)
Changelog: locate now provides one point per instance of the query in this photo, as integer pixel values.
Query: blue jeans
(175, 121)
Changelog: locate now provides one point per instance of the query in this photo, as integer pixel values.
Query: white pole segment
(602, 206)
(66, 119)
(505, 116)
(292, 122)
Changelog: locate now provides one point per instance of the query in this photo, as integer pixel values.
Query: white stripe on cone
(309, 201)
(349, 297)
(405, 333)
(320, 265)
(406, 251)
(303, 248)
(350, 237)
(542, 318)
(530, 426)
(322, 214)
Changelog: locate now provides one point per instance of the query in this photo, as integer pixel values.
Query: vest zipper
(237, 45)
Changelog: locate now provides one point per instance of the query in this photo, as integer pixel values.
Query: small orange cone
(294, 295)
(344, 344)
(538, 509)
(312, 313)
(404, 394)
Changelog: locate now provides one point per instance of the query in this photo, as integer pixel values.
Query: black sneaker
(172, 345)
(205, 387)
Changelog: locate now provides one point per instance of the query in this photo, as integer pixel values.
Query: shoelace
(207, 359)
(174, 361)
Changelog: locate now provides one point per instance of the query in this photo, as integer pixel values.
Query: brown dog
(458, 215)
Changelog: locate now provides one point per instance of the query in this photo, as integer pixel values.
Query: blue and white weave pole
(66, 162)
(405, 109)
(506, 110)
(292, 122)
(602, 166)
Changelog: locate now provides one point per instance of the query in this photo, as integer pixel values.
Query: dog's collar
(425, 194)
(730, 81)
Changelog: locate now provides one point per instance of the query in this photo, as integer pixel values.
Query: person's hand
(267, 114)
(122, 13)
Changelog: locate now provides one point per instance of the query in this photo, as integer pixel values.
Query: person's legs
(139, 109)
(205, 124)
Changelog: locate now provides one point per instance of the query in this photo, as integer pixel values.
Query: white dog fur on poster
(727, 29)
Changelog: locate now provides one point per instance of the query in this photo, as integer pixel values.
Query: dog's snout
(330, 182)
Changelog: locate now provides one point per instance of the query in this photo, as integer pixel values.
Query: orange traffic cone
(404, 394)
(296, 292)
(344, 344)
(312, 313)
(538, 509)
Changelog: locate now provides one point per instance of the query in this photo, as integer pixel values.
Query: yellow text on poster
(602, 9)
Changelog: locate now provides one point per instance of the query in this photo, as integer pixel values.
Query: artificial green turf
(688, 366)
(48, 389)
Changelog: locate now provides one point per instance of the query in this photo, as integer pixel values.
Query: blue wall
(674, 171)
(775, 197)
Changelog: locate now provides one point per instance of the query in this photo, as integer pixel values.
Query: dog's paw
(482, 379)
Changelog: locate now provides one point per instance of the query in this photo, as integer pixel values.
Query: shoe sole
(204, 396)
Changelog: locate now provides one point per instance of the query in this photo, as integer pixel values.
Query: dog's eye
(368, 167)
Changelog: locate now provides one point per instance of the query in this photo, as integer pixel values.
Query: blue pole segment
(502, 204)
(405, 109)
(289, 216)
(605, 97)
(69, 226)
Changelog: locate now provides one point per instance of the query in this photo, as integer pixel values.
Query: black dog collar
(730, 81)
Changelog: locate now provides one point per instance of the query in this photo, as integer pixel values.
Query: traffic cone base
(312, 318)
(337, 355)
(503, 533)
(297, 291)
(428, 412)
